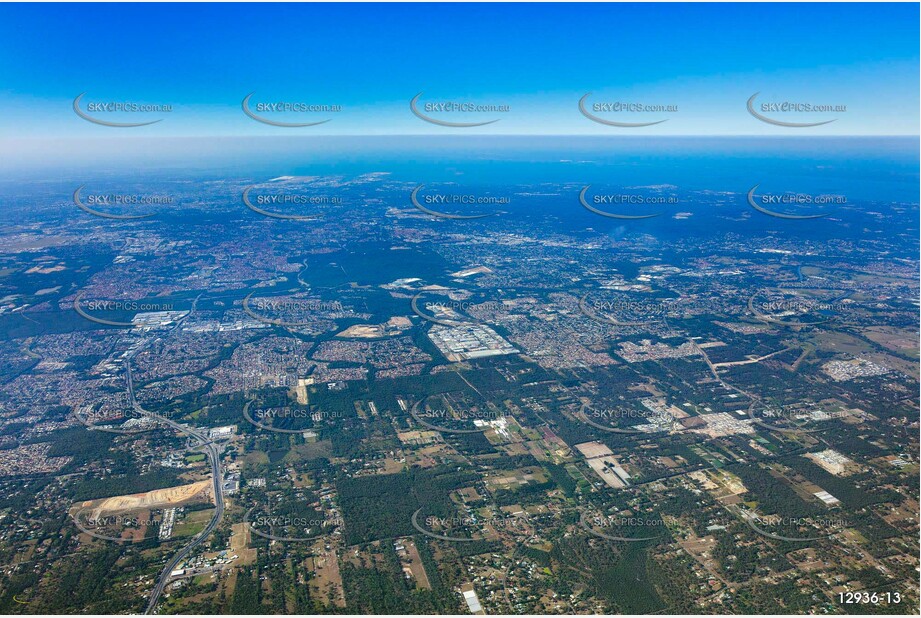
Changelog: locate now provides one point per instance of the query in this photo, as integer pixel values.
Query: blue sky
(371, 59)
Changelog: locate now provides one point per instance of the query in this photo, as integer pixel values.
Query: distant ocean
(866, 168)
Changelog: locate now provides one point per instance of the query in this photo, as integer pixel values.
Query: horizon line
(467, 135)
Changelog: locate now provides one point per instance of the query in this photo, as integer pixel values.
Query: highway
(214, 457)
(155, 594)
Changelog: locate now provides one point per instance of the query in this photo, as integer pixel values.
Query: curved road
(217, 483)
(214, 458)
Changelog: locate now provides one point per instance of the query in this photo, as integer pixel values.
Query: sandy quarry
(158, 498)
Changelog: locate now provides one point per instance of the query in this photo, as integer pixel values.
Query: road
(214, 458)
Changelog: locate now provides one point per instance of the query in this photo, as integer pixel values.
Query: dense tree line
(247, 594)
(95, 488)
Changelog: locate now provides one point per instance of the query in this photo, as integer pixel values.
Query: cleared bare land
(156, 499)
